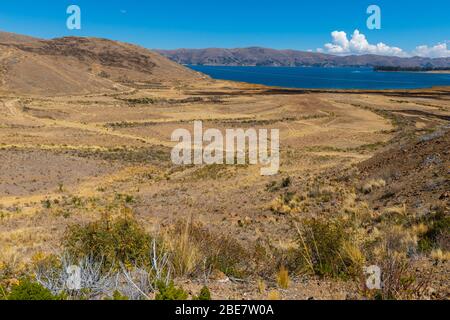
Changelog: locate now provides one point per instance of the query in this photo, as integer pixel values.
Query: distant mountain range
(256, 56)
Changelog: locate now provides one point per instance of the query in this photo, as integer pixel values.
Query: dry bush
(219, 252)
(212, 251)
(95, 281)
(98, 282)
(400, 280)
(326, 248)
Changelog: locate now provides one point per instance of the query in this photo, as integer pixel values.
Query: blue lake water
(326, 78)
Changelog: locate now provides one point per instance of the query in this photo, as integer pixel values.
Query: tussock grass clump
(399, 210)
(213, 171)
(393, 249)
(274, 186)
(326, 248)
(206, 250)
(398, 215)
(395, 239)
(436, 234)
(274, 295)
(262, 287)
(185, 252)
(283, 279)
(202, 251)
(440, 256)
(372, 185)
(318, 191)
(287, 203)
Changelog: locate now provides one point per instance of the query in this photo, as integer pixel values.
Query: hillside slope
(419, 180)
(74, 65)
(256, 56)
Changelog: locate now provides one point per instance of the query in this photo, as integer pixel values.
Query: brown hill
(7, 37)
(74, 65)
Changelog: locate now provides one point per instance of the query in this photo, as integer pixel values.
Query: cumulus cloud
(438, 51)
(358, 44)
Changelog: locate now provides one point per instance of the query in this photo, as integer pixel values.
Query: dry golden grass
(400, 210)
(352, 252)
(184, 251)
(274, 295)
(261, 284)
(371, 185)
(420, 229)
(72, 144)
(283, 279)
(440, 255)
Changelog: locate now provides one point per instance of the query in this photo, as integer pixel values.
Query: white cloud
(358, 44)
(438, 51)
(340, 43)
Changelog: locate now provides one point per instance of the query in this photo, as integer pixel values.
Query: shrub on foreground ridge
(114, 241)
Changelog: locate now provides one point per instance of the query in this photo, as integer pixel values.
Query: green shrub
(170, 292)
(115, 241)
(3, 295)
(118, 296)
(28, 290)
(204, 294)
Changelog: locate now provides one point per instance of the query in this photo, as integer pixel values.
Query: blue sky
(278, 24)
